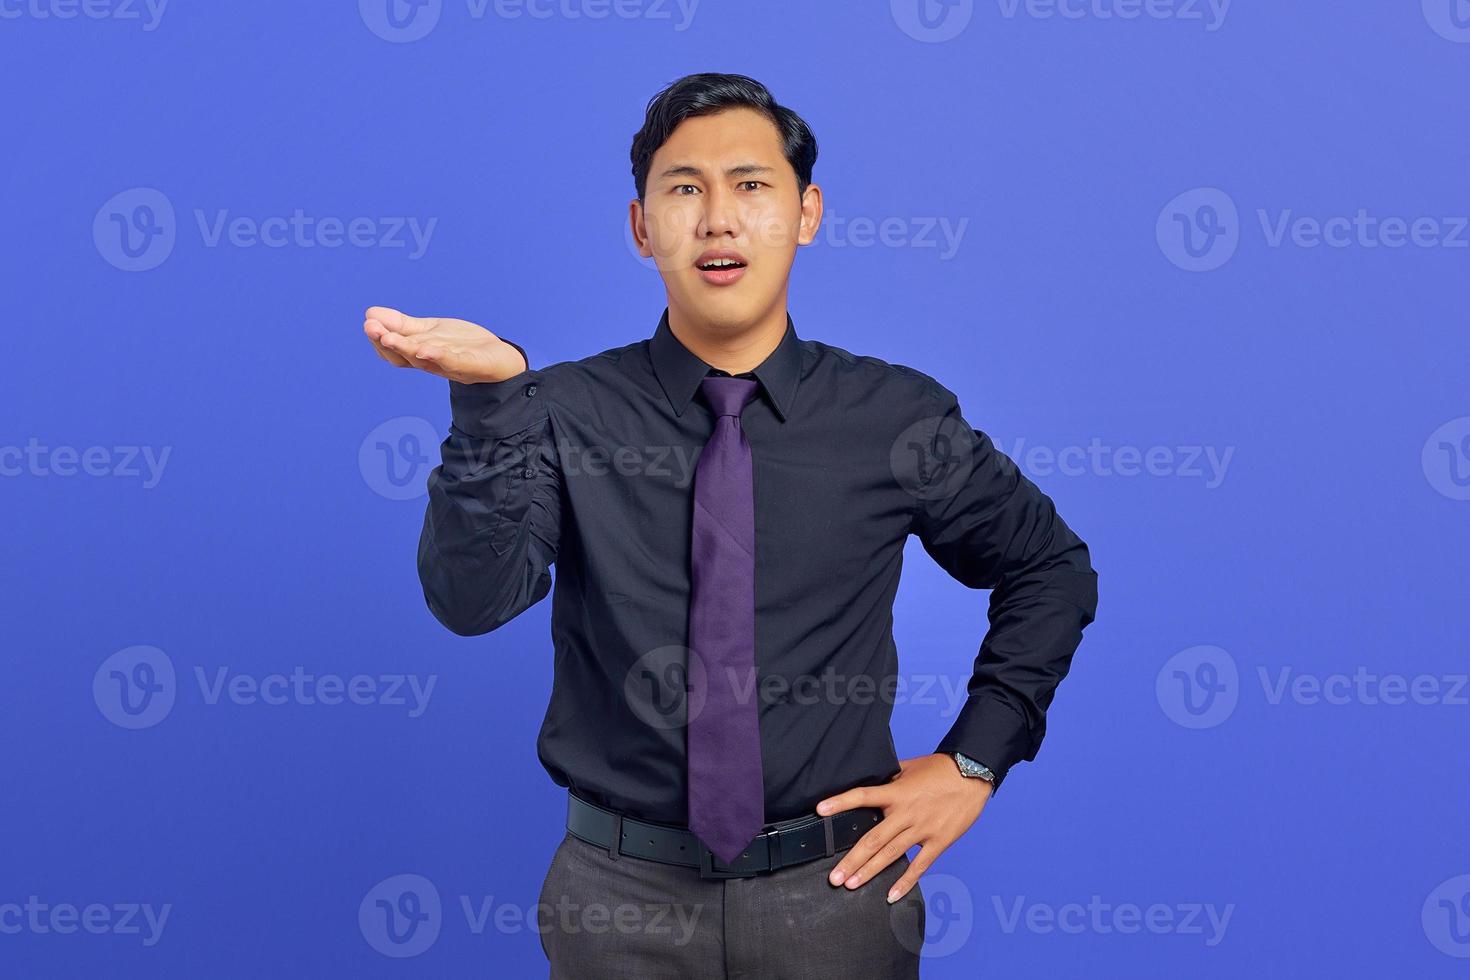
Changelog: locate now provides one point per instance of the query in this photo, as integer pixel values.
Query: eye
(757, 183)
(678, 187)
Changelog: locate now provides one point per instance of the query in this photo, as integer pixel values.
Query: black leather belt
(779, 845)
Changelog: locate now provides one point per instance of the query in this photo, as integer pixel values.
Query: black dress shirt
(589, 464)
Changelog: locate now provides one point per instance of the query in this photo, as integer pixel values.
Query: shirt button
(530, 391)
(527, 473)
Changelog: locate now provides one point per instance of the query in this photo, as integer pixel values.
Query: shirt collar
(680, 370)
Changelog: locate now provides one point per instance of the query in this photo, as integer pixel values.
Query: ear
(640, 229)
(811, 215)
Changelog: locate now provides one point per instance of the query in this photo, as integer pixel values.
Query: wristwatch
(973, 769)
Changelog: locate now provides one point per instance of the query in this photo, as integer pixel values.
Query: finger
(862, 852)
(917, 866)
(375, 330)
(853, 798)
(399, 322)
(891, 851)
(404, 346)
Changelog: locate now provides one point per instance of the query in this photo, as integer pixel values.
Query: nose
(721, 216)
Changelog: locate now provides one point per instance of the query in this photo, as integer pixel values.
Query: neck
(732, 347)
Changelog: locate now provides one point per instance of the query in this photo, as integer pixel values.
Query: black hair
(706, 93)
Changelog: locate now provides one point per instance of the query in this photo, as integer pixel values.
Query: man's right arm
(492, 526)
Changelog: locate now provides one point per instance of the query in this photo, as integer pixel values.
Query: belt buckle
(707, 860)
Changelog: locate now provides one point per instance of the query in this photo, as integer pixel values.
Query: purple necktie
(726, 789)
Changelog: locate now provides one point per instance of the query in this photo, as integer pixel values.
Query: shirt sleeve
(492, 526)
(990, 527)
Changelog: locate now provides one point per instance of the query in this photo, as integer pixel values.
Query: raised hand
(455, 349)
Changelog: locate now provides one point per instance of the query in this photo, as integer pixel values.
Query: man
(726, 505)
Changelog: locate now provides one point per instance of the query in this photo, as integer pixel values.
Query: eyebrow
(742, 170)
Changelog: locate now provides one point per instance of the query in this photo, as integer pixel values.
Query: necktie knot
(727, 396)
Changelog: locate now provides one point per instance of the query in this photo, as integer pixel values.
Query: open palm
(455, 349)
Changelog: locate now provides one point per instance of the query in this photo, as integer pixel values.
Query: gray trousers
(603, 918)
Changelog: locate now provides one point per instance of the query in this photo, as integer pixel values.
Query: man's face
(720, 185)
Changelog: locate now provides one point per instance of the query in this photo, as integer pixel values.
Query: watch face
(972, 768)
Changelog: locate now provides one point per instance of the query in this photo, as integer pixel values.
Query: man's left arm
(989, 527)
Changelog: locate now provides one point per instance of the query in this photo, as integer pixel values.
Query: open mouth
(718, 265)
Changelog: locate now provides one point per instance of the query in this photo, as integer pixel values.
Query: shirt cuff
(991, 732)
(496, 409)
